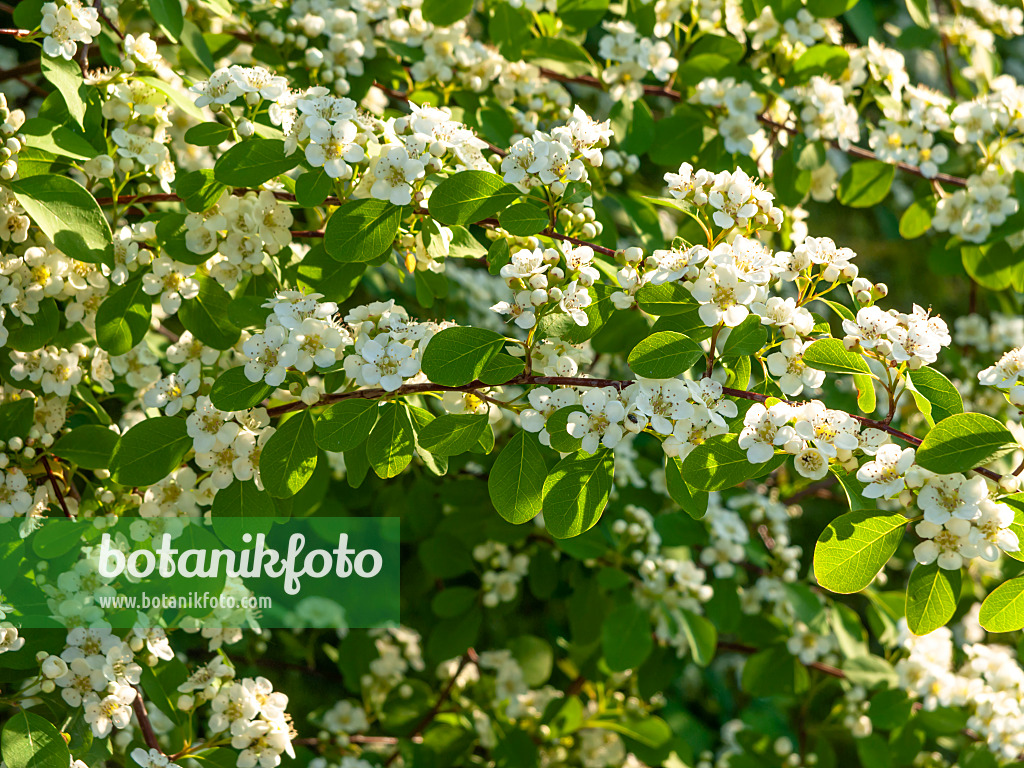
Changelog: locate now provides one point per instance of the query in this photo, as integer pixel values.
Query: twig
(867, 154)
(19, 71)
(15, 32)
(56, 490)
(139, 708)
(467, 658)
(820, 666)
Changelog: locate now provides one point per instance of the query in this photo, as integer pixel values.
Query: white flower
(152, 758)
(764, 429)
(601, 420)
(335, 150)
(173, 280)
(388, 362)
(574, 299)
(885, 475)
(113, 711)
(269, 356)
(722, 296)
(394, 172)
(946, 496)
(521, 309)
(788, 365)
(946, 544)
(663, 403)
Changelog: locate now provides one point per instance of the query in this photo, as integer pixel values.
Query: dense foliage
(632, 312)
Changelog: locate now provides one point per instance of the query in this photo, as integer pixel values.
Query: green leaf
(362, 230)
(1003, 609)
(16, 417)
(865, 392)
(232, 391)
(207, 315)
(746, 338)
(29, 741)
(557, 427)
(236, 508)
(576, 492)
(208, 134)
(991, 266)
(524, 219)
(828, 9)
(123, 318)
(822, 59)
(932, 594)
(451, 434)
(535, 658)
(392, 442)
(664, 355)
(830, 355)
(502, 368)
(66, 77)
(561, 325)
(626, 637)
(701, 636)
(149, 451)
(444, 13)
(693, 501)
(345, 425)
(774, 671)
(289, 457)
(917, 219)
(516, 481)
(866, 183)
(89, 446)
(253, 162)
(456, 356)
(963, 441)
(563, 56)
(935, 395)
(167, 13)
(633, 125)
(854, 547)
(470, 196)
(1016, 501)
(56, 538)
(200, 192)
(720, 463)
(312, 188)
(665, 299)
(68, 214)
(47, 135)
(45, 324)
(920, 13)
(581, 14)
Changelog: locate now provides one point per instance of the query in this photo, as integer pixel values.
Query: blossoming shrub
(573, 288)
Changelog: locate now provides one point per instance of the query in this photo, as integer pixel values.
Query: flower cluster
(542, 285)
(631, 58)
(973, 212)
(914, 338)
(66, 24)
(554, 159)
(243, 230)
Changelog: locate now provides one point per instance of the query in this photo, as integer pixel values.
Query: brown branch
(469, 657)
(866, 154)
(525, 379)
(56, 490)
(139, 708)
(826, 669)
(13, 31)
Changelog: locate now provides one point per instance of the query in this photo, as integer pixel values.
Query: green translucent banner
(233, 573)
